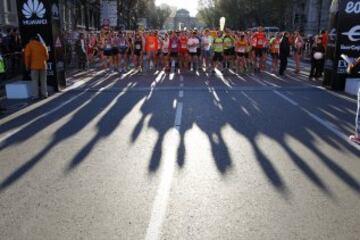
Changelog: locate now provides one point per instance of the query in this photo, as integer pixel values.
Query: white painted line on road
(160, 205)
(271, 84)
(332, 128)
(257, 80)
(178, 116)
(161, 201)
(286, 98)
(324, 89)
(215, 95)
(323, 122)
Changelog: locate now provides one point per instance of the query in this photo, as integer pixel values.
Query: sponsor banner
(344, 38)
(42, 18)
(349, 32)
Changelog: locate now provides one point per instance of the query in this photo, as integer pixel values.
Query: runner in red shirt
(260, 42)
(183, 50)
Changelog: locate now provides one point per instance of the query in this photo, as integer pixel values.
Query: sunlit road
(182, 156)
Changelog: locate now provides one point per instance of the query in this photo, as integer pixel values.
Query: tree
(242, 14)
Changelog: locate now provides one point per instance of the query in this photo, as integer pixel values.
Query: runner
(275, 51)
(130, 51)
(298, 49)
(206, 41)
(183, 51)
(193, 44)
(138, 51)
(151, 48)
(228, 50)
(115, 50)
(174, 46)
(218, 48)
(165, 43)
(107, 52)
(260, 42)
(158, 55)
(91, 49)
(241, 46)
(123, 46)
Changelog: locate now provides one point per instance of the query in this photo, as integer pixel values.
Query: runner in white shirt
(206, 42)
(165, 52)
(193, 43)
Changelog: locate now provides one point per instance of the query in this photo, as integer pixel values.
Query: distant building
(310, 16)
(182, 20)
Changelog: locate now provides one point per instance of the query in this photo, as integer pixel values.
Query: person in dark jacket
(317, 58)
(80, 49)
(284, 53)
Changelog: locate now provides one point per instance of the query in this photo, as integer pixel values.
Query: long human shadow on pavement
(122, 106)
(84, 110)
(39, 117)
(210, 113)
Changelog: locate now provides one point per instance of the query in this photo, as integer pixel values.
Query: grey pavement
(181, 156)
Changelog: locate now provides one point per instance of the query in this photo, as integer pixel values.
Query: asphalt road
(181, 156)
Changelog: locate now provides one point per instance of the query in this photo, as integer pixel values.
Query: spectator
(353, 69)
(284, 53)
(324, 38)
(80, 50)
(317, 57)
(36, 57)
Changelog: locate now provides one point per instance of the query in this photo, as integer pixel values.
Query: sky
(190, 5)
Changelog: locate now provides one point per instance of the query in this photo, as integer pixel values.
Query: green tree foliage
(242, 14)
(131, 10)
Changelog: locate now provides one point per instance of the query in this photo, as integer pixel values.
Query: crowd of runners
(206, 50)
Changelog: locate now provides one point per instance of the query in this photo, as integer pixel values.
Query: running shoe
(355, 139)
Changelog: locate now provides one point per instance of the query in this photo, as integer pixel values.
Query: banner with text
(42, 18)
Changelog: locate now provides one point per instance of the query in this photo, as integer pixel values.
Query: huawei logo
(353, 34)
(33, 7)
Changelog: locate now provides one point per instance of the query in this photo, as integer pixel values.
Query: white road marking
(161, 201)
(332, 128)
(286, 98)
(323, 122)
(257, 80)
(271, 84)
(178, 116)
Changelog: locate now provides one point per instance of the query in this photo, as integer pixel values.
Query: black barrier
(344, 38)
(43, 17)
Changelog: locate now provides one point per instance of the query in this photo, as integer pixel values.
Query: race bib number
(108, 46)
(183, 46)
(277, 46)
(152, 46)
(174, 45)
(137, 46)
(242, 50)
(260, 42)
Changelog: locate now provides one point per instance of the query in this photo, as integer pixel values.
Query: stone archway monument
(42, 17)
(344, 38)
